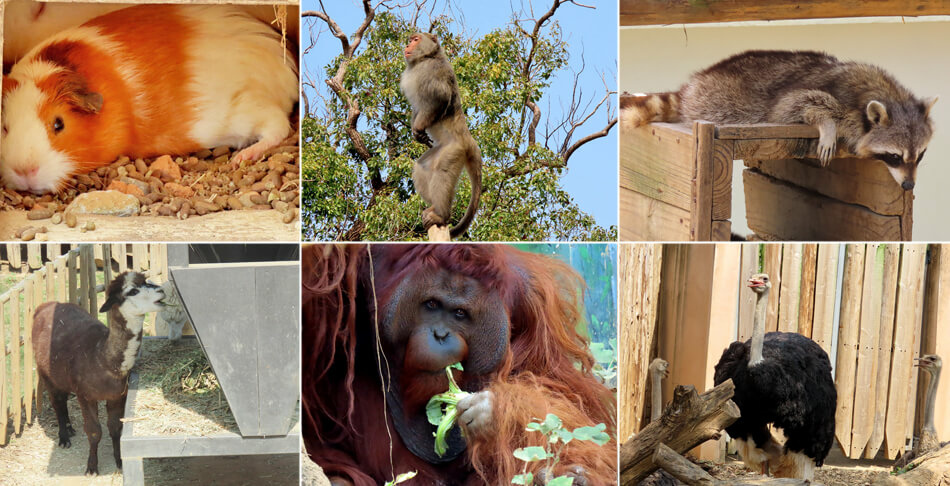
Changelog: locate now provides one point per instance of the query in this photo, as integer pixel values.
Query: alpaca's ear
(110, 302)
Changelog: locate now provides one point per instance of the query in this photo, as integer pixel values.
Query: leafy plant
(557, 439)
(442, 409)
(401, 478)
(605, 354)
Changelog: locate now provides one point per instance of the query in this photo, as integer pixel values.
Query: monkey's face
(420, 45)
(413, 42)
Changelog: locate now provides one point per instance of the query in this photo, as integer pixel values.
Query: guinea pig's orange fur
(97, 139)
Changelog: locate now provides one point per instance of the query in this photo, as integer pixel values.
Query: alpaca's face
(139, 296)
(759, 283)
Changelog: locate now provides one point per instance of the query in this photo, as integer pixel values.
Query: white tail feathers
(639, 109)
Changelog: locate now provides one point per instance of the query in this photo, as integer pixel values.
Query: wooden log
(928, 470)
(651, 12)
(689, 420)
(684, 470)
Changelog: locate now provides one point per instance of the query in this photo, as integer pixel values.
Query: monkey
(430, 85)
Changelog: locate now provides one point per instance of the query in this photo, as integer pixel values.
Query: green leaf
(527, 479)
(594, 434)
(565, 435)
(531, 454)
(551, 422)
(401, 478)
(561, 481)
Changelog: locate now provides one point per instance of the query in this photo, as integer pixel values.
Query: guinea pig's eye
(58, 125)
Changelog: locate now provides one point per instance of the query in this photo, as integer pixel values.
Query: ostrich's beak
(755, 283)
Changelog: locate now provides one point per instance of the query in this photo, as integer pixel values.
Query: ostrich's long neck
(931, 401)
(656, 409)
(758, 327)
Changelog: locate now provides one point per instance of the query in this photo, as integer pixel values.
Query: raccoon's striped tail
(639, 109)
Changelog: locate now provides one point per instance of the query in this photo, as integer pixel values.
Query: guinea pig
(145, 81)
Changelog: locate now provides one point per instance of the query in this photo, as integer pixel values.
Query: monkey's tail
(474, 167)
(639, 109)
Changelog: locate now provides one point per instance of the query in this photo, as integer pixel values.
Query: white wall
(916, 52)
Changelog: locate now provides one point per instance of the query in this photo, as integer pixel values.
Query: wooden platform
(245, 225)
(676, 185)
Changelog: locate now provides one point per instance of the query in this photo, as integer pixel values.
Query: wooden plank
(16, 402)
(657, 161)
(62, 279)
(826, 291)
(885, 341)
(915, 383)
(14, 254)
(765, 131)
(54, 250)
(857, 181)
(87, 253)
(4, 396)
(639, 291)
(941, 336)
(722, 321)
(645, 219)
(773, 267)
(780, 211)
(28, 361)
(867, 352)
(700, 209)
(722, 181)
(120, 256)
(848, 329)
(721, 230)
(749, 267)
(154, 260)
(72, 273)
(651, 12)
(780, 149)
(902, 372)
(139, 257)
(806, 301)
(791, 287)
(107, 274)
(33, 257)
(907, 219)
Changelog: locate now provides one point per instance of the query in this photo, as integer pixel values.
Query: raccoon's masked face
(898, 137)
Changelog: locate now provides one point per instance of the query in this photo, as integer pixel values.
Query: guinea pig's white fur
(26, 23)
(205, 76)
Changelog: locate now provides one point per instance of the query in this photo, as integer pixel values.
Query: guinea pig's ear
(76, 91)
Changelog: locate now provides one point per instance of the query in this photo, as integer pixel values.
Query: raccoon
(850, 103)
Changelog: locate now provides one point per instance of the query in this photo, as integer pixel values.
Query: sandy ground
(837, 471)
(34, 458)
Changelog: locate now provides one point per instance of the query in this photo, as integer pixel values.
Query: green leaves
(401, 478)
(594, 434)
(442, 411)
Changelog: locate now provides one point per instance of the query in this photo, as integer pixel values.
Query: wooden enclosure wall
(870, 319)
(70, 277)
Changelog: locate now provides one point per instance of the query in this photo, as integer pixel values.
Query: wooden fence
(872, 307)
(74, 275)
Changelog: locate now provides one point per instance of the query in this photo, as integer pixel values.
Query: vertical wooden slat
(4, 398)
(16, 259)
(154, 262)
(72, 275)
(639, 268)
(773, 267)
(87, 262)
(941, 336)
(806, 302)
(885, 342)
(15, 359)
(54, 250)
(62, 286)
(107, 274)
(28, 285)
(911, 430)
(33, 255)
(791, 287)
(867, 352)
(700, 213)
(139, 260)
(750, 266)
(905, 324)
(826, 283)
(848, 327)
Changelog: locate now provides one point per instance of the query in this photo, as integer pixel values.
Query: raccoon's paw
(827, 142)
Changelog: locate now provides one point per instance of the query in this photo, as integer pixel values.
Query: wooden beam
(848, 334)
(663, 12)
(765, 131)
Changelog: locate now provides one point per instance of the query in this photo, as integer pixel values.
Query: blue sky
(591, 177)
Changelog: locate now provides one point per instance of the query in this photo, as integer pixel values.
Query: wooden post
(87, 262)
(4, 410)
(72, 276)
(640, 266)
(806, 301)
(28, 285)
(16, 401)
(107, 273)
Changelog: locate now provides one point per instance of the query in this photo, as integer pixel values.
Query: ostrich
(928, 442)
(783, 379)
(658, 371)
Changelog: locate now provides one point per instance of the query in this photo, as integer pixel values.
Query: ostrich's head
(759, 283)
(660, 367)
(931, 363)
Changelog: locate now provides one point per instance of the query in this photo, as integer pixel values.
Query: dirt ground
(34, 458)
(837, 471)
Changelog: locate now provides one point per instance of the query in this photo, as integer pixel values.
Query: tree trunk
(682, 469)
(689, 420)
